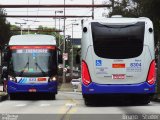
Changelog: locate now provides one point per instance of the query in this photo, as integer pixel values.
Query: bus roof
(33, 39)
(119, 20)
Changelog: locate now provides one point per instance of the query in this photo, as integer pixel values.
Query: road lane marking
(45, 105)
(70, 104)
(69, 107)
(20, 105)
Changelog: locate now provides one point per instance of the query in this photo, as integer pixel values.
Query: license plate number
(118, 76)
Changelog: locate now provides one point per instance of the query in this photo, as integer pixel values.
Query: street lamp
(59, 25)
(20, 25)
(72, 50)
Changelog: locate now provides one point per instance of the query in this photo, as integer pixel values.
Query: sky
(50, 22)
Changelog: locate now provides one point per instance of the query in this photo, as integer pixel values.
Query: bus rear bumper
(141, 88)
(50, 87)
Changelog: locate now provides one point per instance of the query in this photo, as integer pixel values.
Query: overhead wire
(81, 18)
(27, 10)
(77, 20)
(38, 9)
(68, 26)
(36, 15)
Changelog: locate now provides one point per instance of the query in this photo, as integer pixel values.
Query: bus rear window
(118, 41)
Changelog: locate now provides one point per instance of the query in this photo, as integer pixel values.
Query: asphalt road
(70, 106)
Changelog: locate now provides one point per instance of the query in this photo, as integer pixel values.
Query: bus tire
(12, 96)
(51, 96)
(88, 102)
(144, 100)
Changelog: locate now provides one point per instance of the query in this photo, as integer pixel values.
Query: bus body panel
(140, 88)
(132, 74)
(118, 75)
(50, 87)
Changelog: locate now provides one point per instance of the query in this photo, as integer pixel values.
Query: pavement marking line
(69, 107)
(20, 105)
(45, 105)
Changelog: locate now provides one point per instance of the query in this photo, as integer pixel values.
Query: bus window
(118, 41)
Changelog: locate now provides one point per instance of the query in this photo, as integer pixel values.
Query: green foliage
(48, 31)
(4, 29)
(138, 8)
(14, 27)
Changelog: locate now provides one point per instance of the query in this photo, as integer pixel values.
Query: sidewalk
(156, 98)
(68, 87)
(3, 95)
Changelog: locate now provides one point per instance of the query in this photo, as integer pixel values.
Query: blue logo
(135, 65)
(34, 54)
(98, 62)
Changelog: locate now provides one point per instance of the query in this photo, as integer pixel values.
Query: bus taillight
(151, 74)
(86, 79)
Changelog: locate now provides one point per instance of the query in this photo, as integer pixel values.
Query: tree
(4, 29)
(122, 7)
(138, 8)
(150, 9)
(13, 29)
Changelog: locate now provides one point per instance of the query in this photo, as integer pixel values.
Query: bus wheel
(51, 96)
(12, 96)
(145, 101)
(88, 101)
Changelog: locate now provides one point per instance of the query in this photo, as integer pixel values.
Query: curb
(3, 96)
(156, 100)
(65, 87)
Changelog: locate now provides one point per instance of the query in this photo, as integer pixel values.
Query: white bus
(118, 58)
(32, 65)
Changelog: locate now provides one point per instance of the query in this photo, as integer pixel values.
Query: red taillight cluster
(86, 79)
(151, 74)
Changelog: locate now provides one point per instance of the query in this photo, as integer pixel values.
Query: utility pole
(59, 32)
(55, 19)
(112, 5)
(59, 11)
(92, 9)
(64, 42)
(28, 28)
(72, 52)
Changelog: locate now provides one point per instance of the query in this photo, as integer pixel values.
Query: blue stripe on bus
(44, 87)
(94, 88)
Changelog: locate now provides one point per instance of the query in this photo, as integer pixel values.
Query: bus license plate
(32, 90)
(118, 76)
